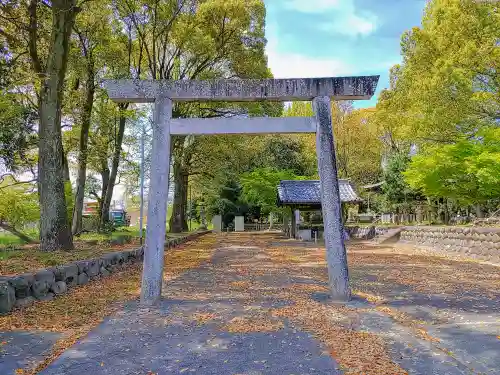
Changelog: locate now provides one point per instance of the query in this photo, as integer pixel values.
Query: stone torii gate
(163, 93)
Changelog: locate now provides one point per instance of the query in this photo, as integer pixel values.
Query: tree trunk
(104, 180)
(54, 226)
(82, 157)
(108, 194)
(479, 211)
(178, 222)
(16, 233)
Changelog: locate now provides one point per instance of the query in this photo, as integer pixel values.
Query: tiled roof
(308, 192)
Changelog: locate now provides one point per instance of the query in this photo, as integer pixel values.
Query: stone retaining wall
(476, 242)
(21, 290)
(366, 232)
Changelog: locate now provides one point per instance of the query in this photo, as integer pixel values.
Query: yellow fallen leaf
(19, 371)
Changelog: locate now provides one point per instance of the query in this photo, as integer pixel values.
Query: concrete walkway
(435, 316)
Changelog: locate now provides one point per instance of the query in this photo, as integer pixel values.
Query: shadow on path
(191, 330)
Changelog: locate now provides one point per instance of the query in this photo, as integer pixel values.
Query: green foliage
(448, 84)
(18, 206)
(467, 171)
(228, 203)
(396, 190)
(444, 98)
(70, 199)
(286, 154)
(259, 187)
(17, 131)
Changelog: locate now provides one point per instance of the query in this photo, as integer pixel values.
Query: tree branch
(33, 37)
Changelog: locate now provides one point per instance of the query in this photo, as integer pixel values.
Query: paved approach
(433, 316)
(196, 329)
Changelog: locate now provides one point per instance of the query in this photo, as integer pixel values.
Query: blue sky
(322, 38)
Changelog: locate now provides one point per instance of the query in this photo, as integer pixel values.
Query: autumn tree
(357, 140)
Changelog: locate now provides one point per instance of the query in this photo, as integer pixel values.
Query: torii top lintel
(237, 90)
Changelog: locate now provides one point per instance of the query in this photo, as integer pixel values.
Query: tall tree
(259, 187)
(357, 140)
(448, 84)
(38, 34)
(95, 50)
(358, 146)
(444, 98)
(193, 39)
(54, 229)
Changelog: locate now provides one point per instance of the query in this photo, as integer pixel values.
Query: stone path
(454, 304)
(20, 349)
(436, 316)
(172, 338)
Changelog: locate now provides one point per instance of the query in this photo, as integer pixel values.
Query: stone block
(24, 302)
(239, 224)
(40, 288)
(59, 287)
(112, 268)
(67, 273)
(83, 266)
(83, 279)
(22, 284)
(45, 275)
(139, 253)
(7, 297)
(107, 260)
(104, 272)
(120, 258)
(131, 254)
(217, 223)
(93, 269)
(125, 255)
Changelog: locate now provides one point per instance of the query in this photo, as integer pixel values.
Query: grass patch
(14, 261)
(9, 240)
(15, 258)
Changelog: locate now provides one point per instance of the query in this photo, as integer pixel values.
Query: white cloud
(294, 65)
(350, 25)
(345, 19)
(319, 6)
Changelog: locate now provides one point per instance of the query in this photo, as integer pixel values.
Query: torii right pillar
(330, 201)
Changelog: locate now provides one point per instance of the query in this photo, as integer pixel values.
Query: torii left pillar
(152, 275)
